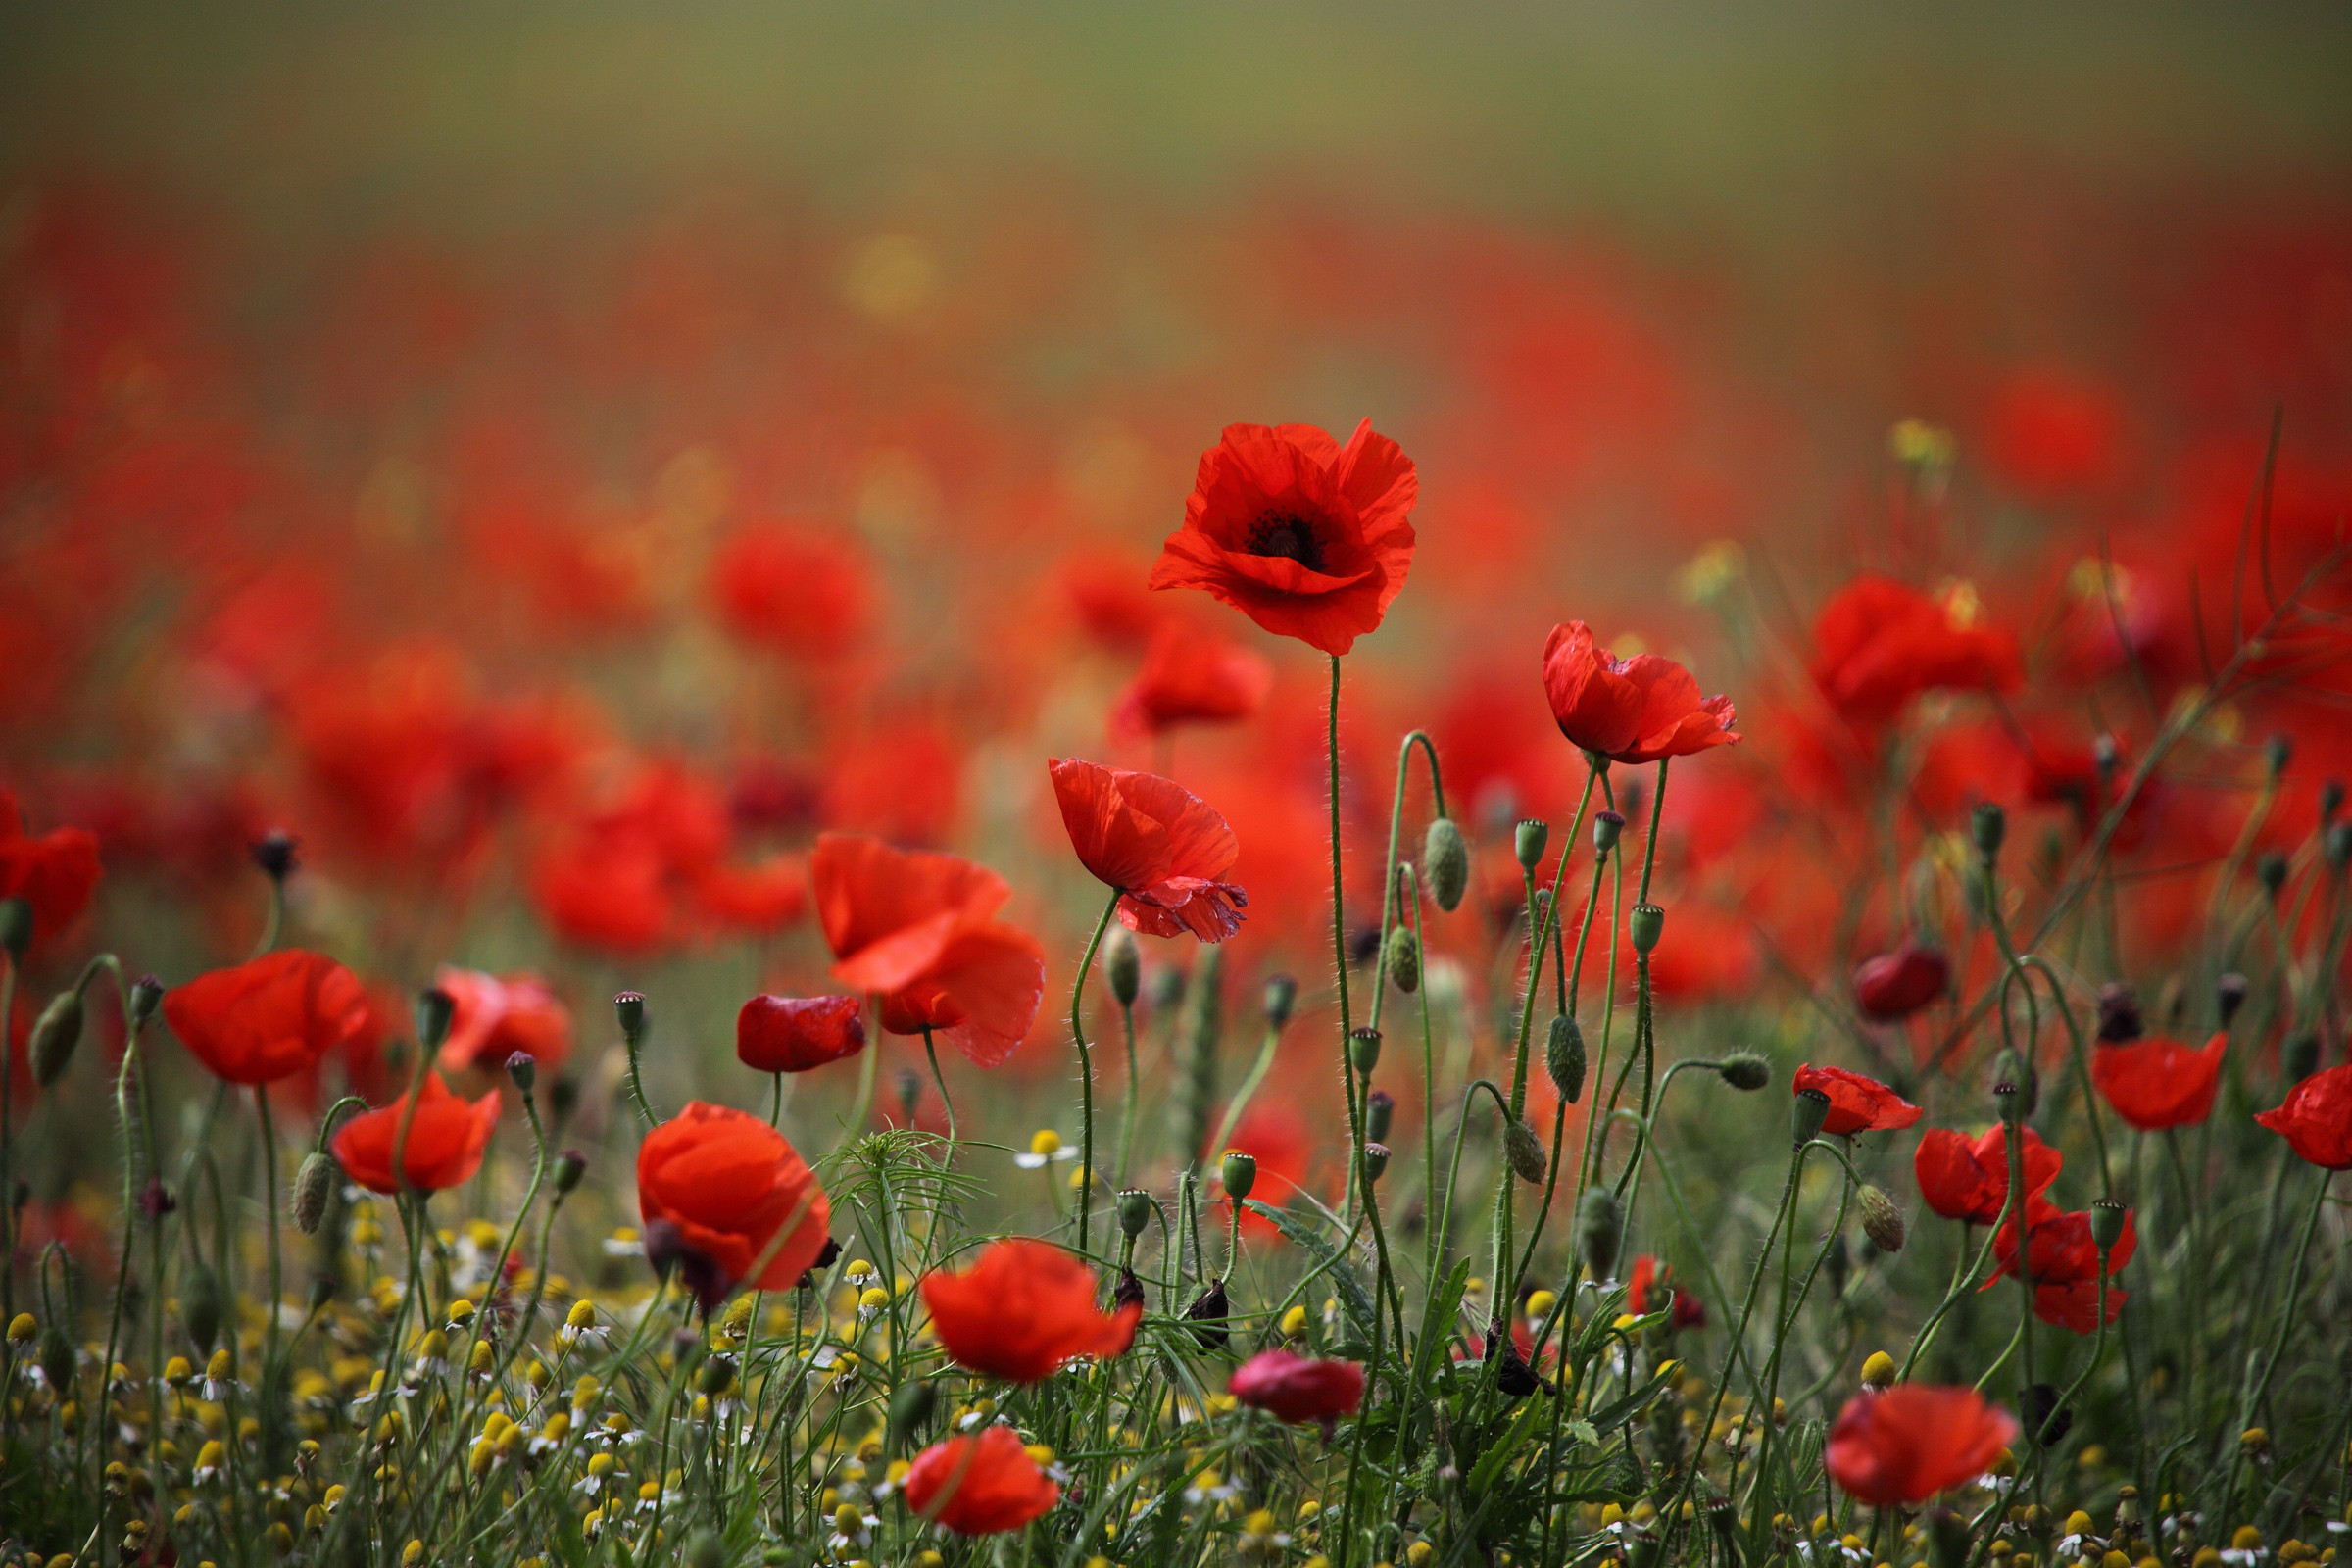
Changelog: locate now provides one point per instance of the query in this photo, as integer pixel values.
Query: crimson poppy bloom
(796, 591)
(1648, 1288)
(1877, 644)
(1895, 985)
(1160, 844)
(1304, 536)
(55, 872)
(2154, 1084)
(1858, 1105)
(793, 1034)
(1907, 1444)
(982, 1485)
(492, 1019)
(268, 1019)
(920, 929)
(2063, 1263)
(1295, 1389)
(759, 898)
(445, 1141)
(1191, 677)
(732, 1202)
(2317, 1119)
(1635, 709)
(1022, 1310)
(1970, 1181)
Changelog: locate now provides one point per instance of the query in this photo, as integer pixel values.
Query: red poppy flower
(1160, 844)
(492, 1019)
(735, 1201)
(1858, 1105)
(920, 929)
(1895, 985)
(56, 872)
(793, 1034)
(1911, 1441)
(758, 899)
(1022, 1310)
(2063, 1263)
(269, 1018)
(1191, 677)
(980, 1486)
(2155, 1084)
(1877, 644)
(1634, 709)
(445, 1141)
(1970, 1181)
(1647, 1287)
(2317, 1119)
(1295, 1388)
(797, 592)
(1304, 536)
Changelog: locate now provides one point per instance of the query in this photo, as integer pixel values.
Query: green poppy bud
(146, 995)
(1524, 1149)
(200, 1306)
(1282, 995)
(570, 1166)
(1445, 863)
(2276, 753)
(314, 1186)
(2338, 845)
(55, 1034)
(705, 1549)
(1989, 826)
(912, 1406)
(1123, 967)
(523, 1070)
(1881, 1221)
(1599, 1232)
(15, 925)
(1565, 1056)
(1380, 1109)
(58, 1361)
(1745, 1072)
(435, 1009)
(1405, 960)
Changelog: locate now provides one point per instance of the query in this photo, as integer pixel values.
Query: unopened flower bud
(1809, 1109)
(16, 926)
(58, 1361)
(1445, 863)
(1647, 926)
(1745, 1072)
(1837, 1263)
(2228, 995)
(1405, 960)
(1135, 1211)
(1524, 1149)
(523, 1069)
(274, 853)
(435, 1009)
(313, 1185)
(1123, 967)
(1881, 1221)
(2276, 753)
(910, 1086)
(146, 995)
(570, 1166)
(706, 1549)
(1599, 1231)
(1236, 1174)
(1878, 1371)
(629, 1010)
(1989, 826)
(1363, 1047)
(55, 1034)
(1380, 1109)
(1607, 828)
(1282, 995)
(2271, 871)
(1164, 987)
(1528, 840)
(1565, 1056)
(2107, 1217)
(2119, 1020)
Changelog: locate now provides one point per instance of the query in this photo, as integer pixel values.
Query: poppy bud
(1207, 1314)
(1599, 1231)
(274, 854)
(1135, 1211)
(570, 1166)
(57, 1360)
(2301, 1057)
(200, 1306)
(323, 1291)
(2271, 871)
(1123, 967)
(912, 1406)
(1237, 1174)
(1745, 1072)
(1881, 1221)
(1445, 863)
(1988, 824)
(2107, 1218)
(522, 1068)
(2120, 1018)
(1364, 1046)
(2007, 1084)
(1565, 1056)
(1404, 960)
(1376, 1161)
(146, 995)
(1282, 995)
(313, 1185)
(16, 926)
(1607, 828)
(2229, 995)
(2338, 845)
(55, 1034)
(435, 1009)
(2331, 799)
(2276, 752)
(1809, 1109)
(1524, 1149)
(629, 1009)
(1164, 987)
(1528, 840)
(1647, 925)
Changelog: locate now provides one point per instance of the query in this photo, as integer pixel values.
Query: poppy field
(807, 865)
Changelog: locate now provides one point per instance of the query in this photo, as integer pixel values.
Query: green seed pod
(2107, 1217)
(200, 1306)
(1376, 1161)
(1881, 1221)
(1404, 960)
(570, 1166)
(1135, 1211)
(1565, 1056)
(1599, 1232)
(1445, 863)
(435, 1009)
(1647, 925)
(313, 1185)
(523, 1070)
(1525, 1151)
(1745, 1072)
(55, 1034)
(15, 925)
(1364, 1046)
(1282, 995)
(1607, 828)
(1989, 826)
(1123, 967)
(1237, 1174)
(1528, 840)
(1379, 1109)
(1810, 1108)
(628, 1011)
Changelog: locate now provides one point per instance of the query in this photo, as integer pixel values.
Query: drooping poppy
(1161, 846)
(268, 1019)
(1306, 537)
(2063, 1262)
(793, 1034)
(733, 1201)
(920, 929)
(1969, 1181)
(1297, 1389)
(2155, 1083)
(1858, 1105)
(1635, 709)
(55, 872)
(1878, 643)
(2317, 1118)
(491, 1019)
(1190, 676)
(983, 1485)
(1907, 1444)
(1895, 985)
(446, 1140)
(1022, 1310)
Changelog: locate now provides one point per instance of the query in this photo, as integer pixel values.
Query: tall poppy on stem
(447, 1137)
(1638, 710)
(2062, 1261)
(1911, 1441)
(727, 1202)
(1022, 1310)
(1858, 1105)
(55, 872)
(1161, 847)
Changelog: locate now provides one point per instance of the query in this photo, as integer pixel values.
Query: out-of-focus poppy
(268, 1019)
(1190, 676)
(983, 1485)
(728, 1202)
(2317, 1118)
(2063, 1262)
(446, 1140)
(1297, 1389)
(798, 592)
(1858, 1105)
(493, 1017)
(55, 872)
(920, 929)
(1895, 985)
(2048, 433)
(1022, 1310)
(2155, 1084)
(1907, 1444)
(1635, 709)
(1161, 846)
(1877, 644)
(758, 899)
(793, 1034)
(1306, 537)
(1969, 1181)
(1648, 1288)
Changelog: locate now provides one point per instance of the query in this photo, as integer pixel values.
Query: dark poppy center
(1289, 536)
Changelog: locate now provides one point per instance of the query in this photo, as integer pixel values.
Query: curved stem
(939, 1082)
(1388, 898)
(1085, 1072)
(1127, 1110)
